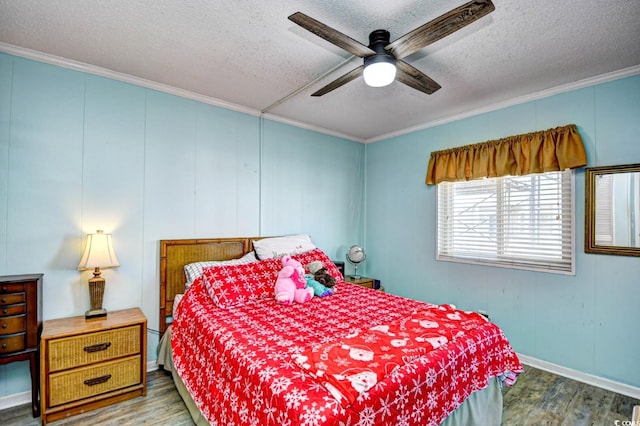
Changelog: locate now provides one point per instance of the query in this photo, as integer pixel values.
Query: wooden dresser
(20, 325)
(88, 364)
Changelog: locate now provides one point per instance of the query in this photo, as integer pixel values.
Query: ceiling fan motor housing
(378, 40)
(379, 68)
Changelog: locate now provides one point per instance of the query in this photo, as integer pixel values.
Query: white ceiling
(247, 54)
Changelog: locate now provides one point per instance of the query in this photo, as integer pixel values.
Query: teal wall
(312, 183)
(587, 322)
(80, 152)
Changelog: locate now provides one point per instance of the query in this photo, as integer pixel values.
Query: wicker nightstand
(88, 364)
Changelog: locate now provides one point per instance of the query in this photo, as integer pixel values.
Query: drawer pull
(4, 300)
(4, 346)
(4, 288)
(97, 347)
(4, 311)
(97, 380)
(4, 325)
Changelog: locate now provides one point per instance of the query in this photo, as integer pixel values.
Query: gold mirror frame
(590, 246)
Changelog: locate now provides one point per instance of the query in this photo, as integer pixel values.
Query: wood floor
(538, 398)
(542, 398)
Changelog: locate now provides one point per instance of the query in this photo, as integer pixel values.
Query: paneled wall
(80, 152)
(587, 322)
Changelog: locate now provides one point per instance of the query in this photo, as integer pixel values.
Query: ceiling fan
(383, 60)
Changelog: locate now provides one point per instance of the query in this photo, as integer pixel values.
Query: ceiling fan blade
(439, 28)
(332, 36)
(415, 78)
(340, 81)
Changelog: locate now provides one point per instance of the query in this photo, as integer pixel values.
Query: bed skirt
(481, 408)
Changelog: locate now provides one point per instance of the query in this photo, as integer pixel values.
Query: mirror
(612, 210)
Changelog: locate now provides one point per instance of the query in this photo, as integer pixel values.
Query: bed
(246, 359)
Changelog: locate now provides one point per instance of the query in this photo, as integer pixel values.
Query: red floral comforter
(239, 363)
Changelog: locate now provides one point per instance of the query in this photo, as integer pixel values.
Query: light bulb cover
(379, 70)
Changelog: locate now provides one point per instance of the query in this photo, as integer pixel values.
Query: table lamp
(98, 253)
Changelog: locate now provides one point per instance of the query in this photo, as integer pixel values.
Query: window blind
(604, 210)
(513, 221)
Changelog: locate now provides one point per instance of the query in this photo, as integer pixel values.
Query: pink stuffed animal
(291, 283)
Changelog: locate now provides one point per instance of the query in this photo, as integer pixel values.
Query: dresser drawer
(88, 348)
(10, 310)
(11, 288)
(12, 343)
(84, 382)
(20, 326)
(11, 299)
(11, 325)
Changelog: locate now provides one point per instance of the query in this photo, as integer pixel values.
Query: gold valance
(538, 152)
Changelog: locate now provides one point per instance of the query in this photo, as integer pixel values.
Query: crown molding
(115, 75)
(274, 117)
(104, 72)
(580, 84)
(165, 88)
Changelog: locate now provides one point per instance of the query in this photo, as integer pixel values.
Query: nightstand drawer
(365, 282)
(11, 325)
(362, 281)
(6, 311)
(11, 299)
(85, 349)
(80, 383)
(13, 343)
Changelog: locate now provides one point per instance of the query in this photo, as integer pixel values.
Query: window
(604, 210)
(523, 222)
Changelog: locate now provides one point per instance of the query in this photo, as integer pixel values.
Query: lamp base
(96, 291)
(95, 313)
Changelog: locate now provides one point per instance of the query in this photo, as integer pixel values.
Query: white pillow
(194, 270)
(176, 299)
(268, 248)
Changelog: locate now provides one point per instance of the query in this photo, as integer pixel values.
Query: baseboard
(610, 385)
(15, 399)
(21, 398)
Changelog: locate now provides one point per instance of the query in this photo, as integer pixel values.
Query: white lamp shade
(98, 253)
(379, 74)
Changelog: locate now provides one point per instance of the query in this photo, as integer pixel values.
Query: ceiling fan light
(379, 74)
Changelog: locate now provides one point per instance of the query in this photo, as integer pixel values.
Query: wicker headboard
(174, 254)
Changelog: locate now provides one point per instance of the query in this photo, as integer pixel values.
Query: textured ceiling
(247, 53)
